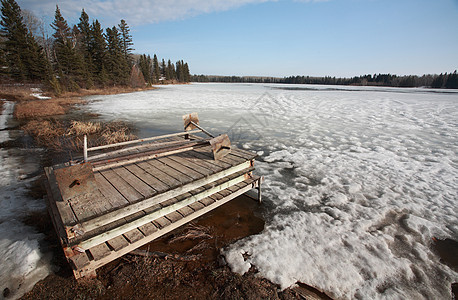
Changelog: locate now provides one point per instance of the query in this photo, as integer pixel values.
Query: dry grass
(82, 128)
(29, 107)
(44, 108)
(105, 91)
(38, 108)
(16, 92)
(116, 132)
(60, 136)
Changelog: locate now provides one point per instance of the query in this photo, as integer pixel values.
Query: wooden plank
(134, 158)
(196, 206)
(133, 235)
(141, 140)
(118, 243)
(174, 216)
(88, 205)
(207, 201)
(164, 230)
(111, 194)
(55, 217)
(109, 234)
(171, 172)
(161, 222)
(204, 163)
(151, 168)
(146, 177)
(128, 210)
(122, 186)
(148, 228)
(192, 165)
(244, 154)
(181, 168)
(65, 212)
(79, 261)
(100, 251)
(139, 148)
(141, 187)
(185, 211)
(229, 159)
(217, 196)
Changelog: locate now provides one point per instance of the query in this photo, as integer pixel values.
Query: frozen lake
(358, 180)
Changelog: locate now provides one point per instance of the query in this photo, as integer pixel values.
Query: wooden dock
(120, 205)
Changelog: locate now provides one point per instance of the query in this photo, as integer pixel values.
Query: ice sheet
(23, 259)
(358, 180)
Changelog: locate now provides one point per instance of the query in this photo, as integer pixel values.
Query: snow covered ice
(22, 261)
(358, 179)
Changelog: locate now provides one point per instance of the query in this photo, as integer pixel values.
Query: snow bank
(358, 180)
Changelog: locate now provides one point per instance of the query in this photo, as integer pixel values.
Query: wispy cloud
(135, 12)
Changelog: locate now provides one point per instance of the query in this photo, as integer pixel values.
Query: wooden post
(259, 191)
(85, 148)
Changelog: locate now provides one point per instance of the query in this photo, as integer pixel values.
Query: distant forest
(449, 80)
(76, 56)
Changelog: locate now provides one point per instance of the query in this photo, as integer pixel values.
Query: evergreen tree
(67, 61)
(115, 60)
(156, 69)
(438, 82)
(186, 74)
(179, 71)
(126, 42)
(144, 63)
(98, 52)
(170, 71)
(84, 47)
(25, 58)
(452, 81)
(163, 68)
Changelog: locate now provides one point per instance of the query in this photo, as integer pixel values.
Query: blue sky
(284, 37)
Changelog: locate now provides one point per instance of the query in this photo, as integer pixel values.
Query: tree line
(446, 80)
(77, 56)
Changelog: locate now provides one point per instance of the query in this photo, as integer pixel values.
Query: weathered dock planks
(139, 200)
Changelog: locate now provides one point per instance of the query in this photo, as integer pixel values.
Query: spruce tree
(24, 57)
(115, 61)
(98, 52)
(66, 60)
(156, 70)
(84, 47)
(163, 68)
(452, 81)
(187, 75)
(126, 42)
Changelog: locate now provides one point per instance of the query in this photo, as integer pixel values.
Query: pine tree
(187, 75)
(452, 81)
(84, 46)
(126, 42)
(25, 58)
(179, 71)
(438, 81)
(156, 70)
(170, 71)
(67, 61)
(115, 60)
(163, 68)
(98, 52)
